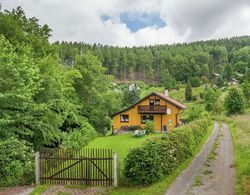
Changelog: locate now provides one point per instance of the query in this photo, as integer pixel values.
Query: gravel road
(215, 177)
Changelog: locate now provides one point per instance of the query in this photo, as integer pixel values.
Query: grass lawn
(120, 143)
(240, 129)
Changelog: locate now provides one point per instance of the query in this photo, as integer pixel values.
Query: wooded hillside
(180, 62)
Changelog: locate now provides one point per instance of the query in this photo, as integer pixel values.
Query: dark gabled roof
(166, 98)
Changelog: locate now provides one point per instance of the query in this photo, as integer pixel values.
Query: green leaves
(161, 156)
(235, 102)
(188, 91)
(16, 162)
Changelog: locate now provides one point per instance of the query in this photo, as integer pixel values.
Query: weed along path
(212, 170)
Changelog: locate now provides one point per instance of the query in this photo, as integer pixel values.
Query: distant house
(233, 81)
(160, 108)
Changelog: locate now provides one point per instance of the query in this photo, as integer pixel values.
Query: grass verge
(161, 186)
(39, 189)
(240, 129)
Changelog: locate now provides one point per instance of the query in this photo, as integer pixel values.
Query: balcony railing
(152, 109)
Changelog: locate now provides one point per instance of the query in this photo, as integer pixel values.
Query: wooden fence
(90, 167)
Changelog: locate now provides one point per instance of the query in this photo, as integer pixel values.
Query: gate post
(37, 168)
(115, 170)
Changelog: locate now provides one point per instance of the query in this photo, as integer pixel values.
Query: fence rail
(91, 167)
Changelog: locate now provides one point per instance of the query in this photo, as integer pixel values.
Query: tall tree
(188, 91)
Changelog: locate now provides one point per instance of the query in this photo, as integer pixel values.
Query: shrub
(194, 112)
(195, 81)
(194, 98)
(134, 127)
(246, 90)
(211, 97)
(217, 108)
(143, 165)
(149, 127)
(162, 155)
(235, 101)
(16, 163)
(79, 137)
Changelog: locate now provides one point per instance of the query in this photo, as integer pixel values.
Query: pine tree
(188, 91)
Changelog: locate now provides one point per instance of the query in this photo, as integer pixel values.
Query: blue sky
(136, 21)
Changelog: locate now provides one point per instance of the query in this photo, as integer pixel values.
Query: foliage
(246, 90)
(79, 137)
(228, 72)
(143, 165)
(217, 107)
(131, 96)
(39, 189)
(165, 154)
(153, 63)
(16, 163)
(167, 80)
(149, 127)
(220, 82)
(188, 91)
(195, 81)
(211, 99)
(93, 89)
(194, 112)
(235, 101)
(134, 127)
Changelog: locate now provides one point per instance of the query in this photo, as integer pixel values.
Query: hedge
(16, 163)
(161, 156)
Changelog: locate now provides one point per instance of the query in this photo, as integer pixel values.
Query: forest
(62, 94)
(168, 65)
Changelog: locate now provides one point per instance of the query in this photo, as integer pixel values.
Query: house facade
(159, 108)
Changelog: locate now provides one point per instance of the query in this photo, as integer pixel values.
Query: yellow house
(160, 108)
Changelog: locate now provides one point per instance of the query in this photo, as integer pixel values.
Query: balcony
(152, 109)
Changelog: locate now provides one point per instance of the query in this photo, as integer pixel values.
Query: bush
(161, 156)
(235, 101)
(211, 97)
(143, 165)
(16, 163)
(195, 98)
(195, 81)
(194, 112)
(149, 127)
(78, 138)
(134, 127)
(217, 108)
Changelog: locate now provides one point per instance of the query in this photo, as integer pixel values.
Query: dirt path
(18, 190)
(217, 174)
(214, 178)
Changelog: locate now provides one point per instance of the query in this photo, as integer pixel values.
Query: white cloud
(77, 20)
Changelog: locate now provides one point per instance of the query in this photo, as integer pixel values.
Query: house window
(145, 118)
(170, 122)
(124, 118)
(157, 102)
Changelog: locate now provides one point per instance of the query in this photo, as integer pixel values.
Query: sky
(138, 22)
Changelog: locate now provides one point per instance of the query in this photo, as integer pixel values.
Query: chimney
(166, 92)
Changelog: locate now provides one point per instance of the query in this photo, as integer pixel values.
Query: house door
(151, 104)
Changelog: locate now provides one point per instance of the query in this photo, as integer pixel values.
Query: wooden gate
(89, 167)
